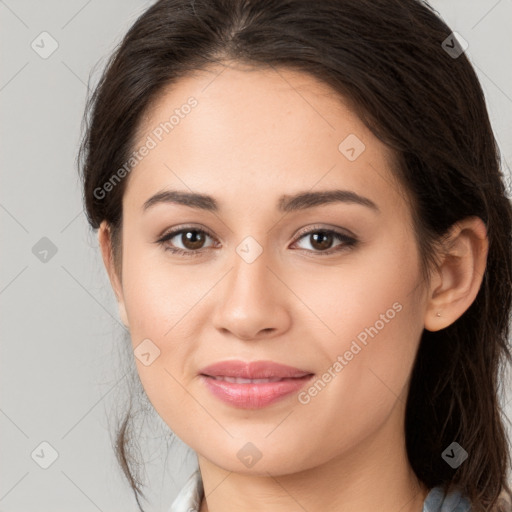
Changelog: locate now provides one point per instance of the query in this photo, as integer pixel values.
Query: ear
(105, 243)
(459, 275)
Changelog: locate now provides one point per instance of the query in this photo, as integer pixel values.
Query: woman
(302, 215)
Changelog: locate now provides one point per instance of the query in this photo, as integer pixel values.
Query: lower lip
(255, 395)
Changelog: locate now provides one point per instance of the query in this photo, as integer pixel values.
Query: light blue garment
(190, 497)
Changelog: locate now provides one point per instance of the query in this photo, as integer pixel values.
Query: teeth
(239, 380)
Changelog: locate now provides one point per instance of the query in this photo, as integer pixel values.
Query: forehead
(236, 85)
(258, 129)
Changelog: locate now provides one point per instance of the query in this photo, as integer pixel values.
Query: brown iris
(192, 239)
(321, 240)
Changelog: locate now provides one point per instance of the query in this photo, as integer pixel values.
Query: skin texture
(254, 135)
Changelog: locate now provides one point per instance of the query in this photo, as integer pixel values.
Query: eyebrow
(286, 203)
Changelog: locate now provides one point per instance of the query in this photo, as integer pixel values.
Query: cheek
(366, 375)
(158, 295)
(372, 295)
(159, 306)
(363, 381)
(371, 332)
(157, 299)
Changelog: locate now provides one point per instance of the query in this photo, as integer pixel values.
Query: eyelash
(348, 241)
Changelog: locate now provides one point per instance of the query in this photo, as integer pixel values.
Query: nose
(252, 302)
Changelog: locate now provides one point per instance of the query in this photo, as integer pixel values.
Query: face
(330, 288)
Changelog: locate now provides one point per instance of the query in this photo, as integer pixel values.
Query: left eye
(193, 239)
(322, 239)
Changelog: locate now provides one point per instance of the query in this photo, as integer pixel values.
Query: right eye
(191, 238)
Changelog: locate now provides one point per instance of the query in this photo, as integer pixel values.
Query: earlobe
(459, 274)
(105, 243)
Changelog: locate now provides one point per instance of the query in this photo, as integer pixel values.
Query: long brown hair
(388, 59)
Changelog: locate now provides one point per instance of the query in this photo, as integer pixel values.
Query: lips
(253, 370)
(239, 380)
(253, 385)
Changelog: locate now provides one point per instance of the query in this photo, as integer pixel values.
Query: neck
(373, 475)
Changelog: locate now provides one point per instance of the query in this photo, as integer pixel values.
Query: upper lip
(252, 370)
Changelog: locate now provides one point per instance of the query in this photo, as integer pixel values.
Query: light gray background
(61, 339)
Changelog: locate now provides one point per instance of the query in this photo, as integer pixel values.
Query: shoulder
(438, 501)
